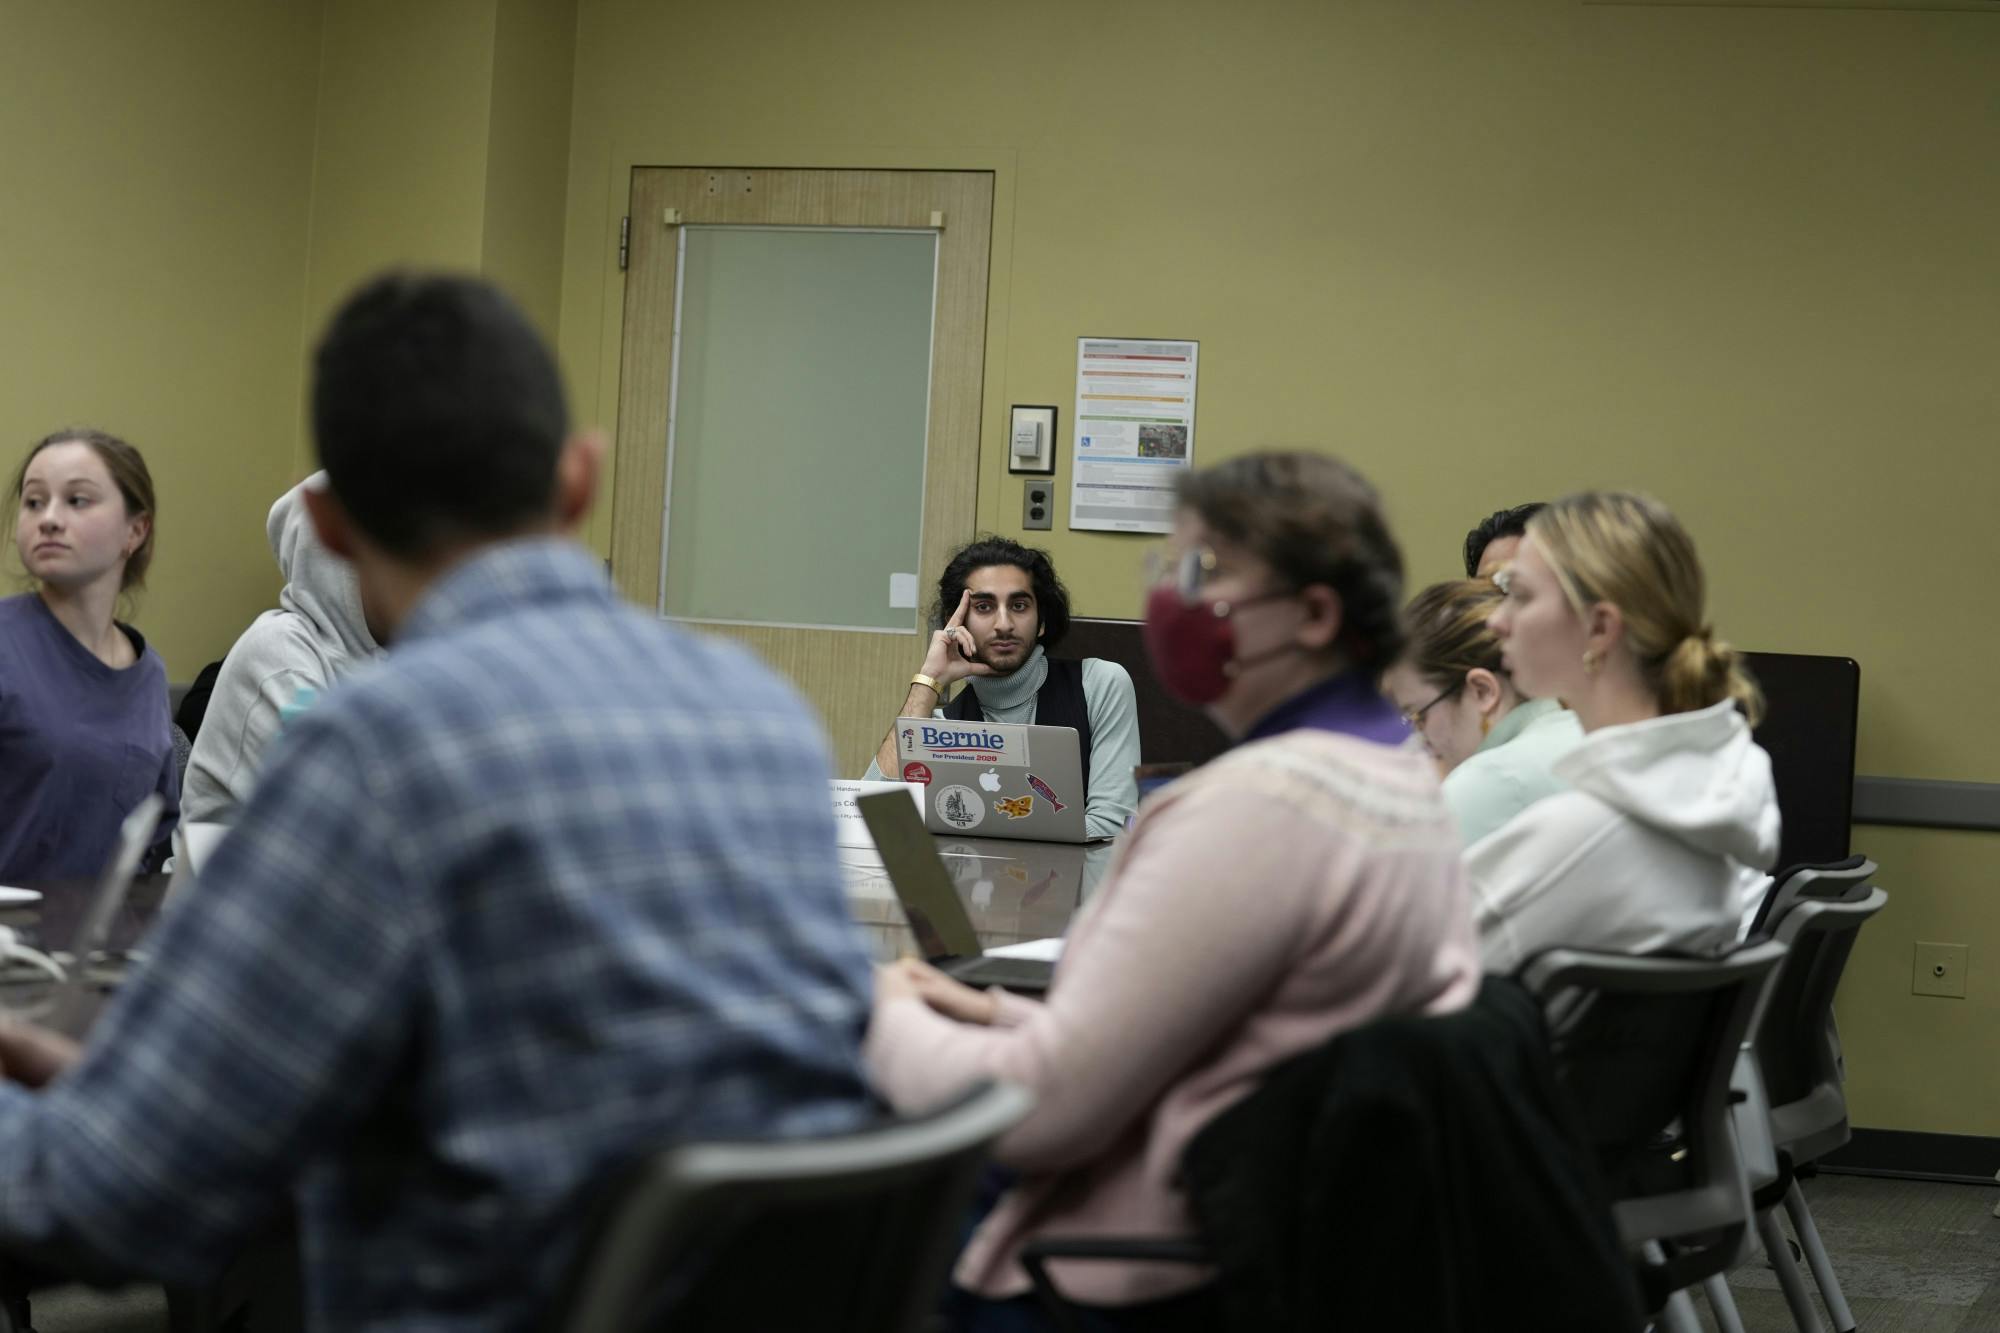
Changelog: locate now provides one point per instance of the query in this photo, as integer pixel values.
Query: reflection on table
(1012, 890)
(51, 926)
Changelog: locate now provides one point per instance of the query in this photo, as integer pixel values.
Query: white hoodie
(1661, 843)
(316, 635)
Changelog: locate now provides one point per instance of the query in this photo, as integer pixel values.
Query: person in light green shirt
(1000, 610)
(1495, 748)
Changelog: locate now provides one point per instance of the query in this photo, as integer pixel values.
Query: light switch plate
(1038, 504)
(1939, 970)
(1044, 460)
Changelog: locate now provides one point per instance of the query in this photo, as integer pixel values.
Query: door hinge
(624, 241)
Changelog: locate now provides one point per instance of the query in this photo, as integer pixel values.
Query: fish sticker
(1046, 792)
(1015, 807)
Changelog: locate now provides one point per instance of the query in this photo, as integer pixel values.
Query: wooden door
(855, 677)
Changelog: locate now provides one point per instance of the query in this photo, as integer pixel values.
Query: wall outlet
(1038, 504)
(1939, 970)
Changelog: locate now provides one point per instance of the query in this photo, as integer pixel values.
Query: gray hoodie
(316, 635)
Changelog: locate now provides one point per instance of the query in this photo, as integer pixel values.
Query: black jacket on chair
(1414, 1174)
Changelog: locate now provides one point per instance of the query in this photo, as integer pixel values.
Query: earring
(1485, 726)
(1591, 661)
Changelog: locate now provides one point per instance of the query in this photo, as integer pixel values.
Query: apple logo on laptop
(989, 781)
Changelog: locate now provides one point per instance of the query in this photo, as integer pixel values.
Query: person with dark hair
(466, 950)
(1000, 612)
(1303, 883)
(84, 730)
(1492, 544)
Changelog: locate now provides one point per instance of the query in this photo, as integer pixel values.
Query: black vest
(1059, 703)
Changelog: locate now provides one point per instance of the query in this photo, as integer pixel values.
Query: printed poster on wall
(1134, 432)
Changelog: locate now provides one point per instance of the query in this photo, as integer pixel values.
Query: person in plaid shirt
(551, 886)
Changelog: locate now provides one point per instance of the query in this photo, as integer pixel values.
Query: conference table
(1013, 892)
(51, 926)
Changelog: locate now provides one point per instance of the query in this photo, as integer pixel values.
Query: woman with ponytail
(1671, 820)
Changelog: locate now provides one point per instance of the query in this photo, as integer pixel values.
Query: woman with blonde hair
(1672, 818)
(1494, 745)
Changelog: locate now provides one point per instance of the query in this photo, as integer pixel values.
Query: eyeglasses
(1415, 717)
(1184, 571)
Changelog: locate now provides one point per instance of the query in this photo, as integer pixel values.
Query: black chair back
(851, 1234)
(1811, 714)
(1642, 1044)
(1169, 731)
(1817, 913)
(1782, 887)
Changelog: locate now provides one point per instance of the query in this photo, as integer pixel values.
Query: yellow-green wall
(192, 189)
(527, 164)
(399, 161)
(157, 168)
(442, 142)
(1489, 251)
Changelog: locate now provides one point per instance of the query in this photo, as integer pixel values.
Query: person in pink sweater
(1304, 883)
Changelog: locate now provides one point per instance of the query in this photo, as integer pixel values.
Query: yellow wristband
(933, 686)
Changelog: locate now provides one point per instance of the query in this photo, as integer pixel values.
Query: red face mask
(1193, 645)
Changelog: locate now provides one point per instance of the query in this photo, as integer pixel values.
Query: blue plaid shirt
(553, 885)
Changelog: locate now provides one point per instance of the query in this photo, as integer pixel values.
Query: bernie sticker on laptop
(960, 807)
(1046, 792)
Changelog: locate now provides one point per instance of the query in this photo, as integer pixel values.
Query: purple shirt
(81, 744)
(1347, 703)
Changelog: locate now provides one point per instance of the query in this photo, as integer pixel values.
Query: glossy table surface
(51, 926)
(1013, 891)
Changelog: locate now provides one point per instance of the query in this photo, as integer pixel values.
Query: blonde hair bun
(1630, 550)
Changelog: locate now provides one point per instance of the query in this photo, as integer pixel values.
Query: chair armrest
(1127, 1249)
(1140, 1249)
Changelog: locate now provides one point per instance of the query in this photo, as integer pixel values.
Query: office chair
(1816, 912)
(850, 1233)
(1648, 1043)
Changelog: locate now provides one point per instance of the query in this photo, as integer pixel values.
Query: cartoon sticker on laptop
(1015, 807)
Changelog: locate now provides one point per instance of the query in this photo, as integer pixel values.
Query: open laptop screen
(939, 920)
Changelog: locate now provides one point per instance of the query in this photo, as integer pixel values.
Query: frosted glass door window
(801, 391)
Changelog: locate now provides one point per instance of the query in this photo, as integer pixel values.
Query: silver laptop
(994, 779)
(938, 919)
(77, 998)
